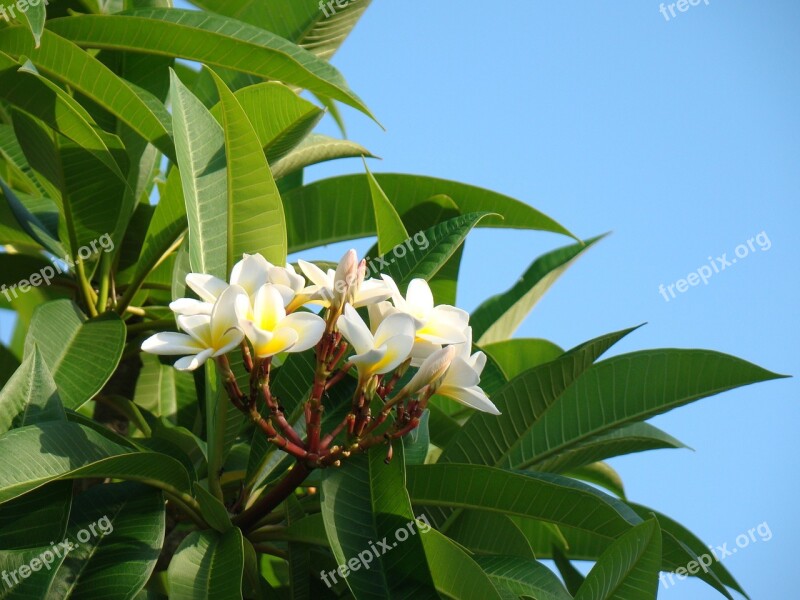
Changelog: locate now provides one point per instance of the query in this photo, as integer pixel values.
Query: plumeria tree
(189, 411)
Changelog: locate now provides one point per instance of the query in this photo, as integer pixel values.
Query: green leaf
(37, 518)
(35, 16)
(455, 573)
(82, 354)
(489, 533)
(628, 570)
(163, 390)
(125, 527)
(213, 511)
(8, 364)
(37, 584)
(498, 317)
(601, 474)
(494, 440)
(31, 224)
(518, 355)
(636, 437)
(315, 149)
(281, 118)
(417, 443)
(209, 39)
(208, 564)
(391, 231)
(300, 21)
(367, 502)
(670, 527)
(339, 209)
(200, 147)
(24, 87)
(30, 396)
(524, 577)
(256, 224)
(628, 388)
(542, 496)
(573, 578)
(62, 60)
(39, 454)
(425, 260)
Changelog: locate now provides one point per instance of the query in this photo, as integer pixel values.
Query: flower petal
(190, 306)
(169, 343)
(370, 292)
(207, 287)
(190, 363)
(461, 374)
(474, 397)
(395, 324)
(419, 296)
(197, 326)
(309, 329)
(397, 351)
(225, 315)
(250, 273)
(268, 308)
(355, 330)
(316, 275)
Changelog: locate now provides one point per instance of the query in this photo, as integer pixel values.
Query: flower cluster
(265, 310)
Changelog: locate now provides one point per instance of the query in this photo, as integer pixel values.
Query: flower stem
(272, 499)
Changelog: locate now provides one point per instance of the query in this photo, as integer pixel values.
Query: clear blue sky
(681, 136)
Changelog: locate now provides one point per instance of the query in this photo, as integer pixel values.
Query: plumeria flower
(379, 353)
(206, 336)
(460, 383)
(288, 283)
(435, 325)
(250, 274)
(346, 283)
(270, 329)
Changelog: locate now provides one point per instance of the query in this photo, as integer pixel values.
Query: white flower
(346, 283)
(380, 353)
(209, 335)
(435, 325)
(460, 383)
(431, 370)
(287, 281)
(271, 330)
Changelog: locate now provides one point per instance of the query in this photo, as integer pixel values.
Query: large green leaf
(670, 527)
(455, 573)
(125, 526)
(489, 533)
(35, 15)
(390, 229)
(628, 570)
(636, 437)
(280, 117)
(24, 87)
(425, 260)
(315, 149)
(628, 388)
(200, 147)
(498, 317)
(490, 439)
(30, 223)
(523, 577)
(210, 39)
(255, 211)
(39, 454)
(81, 354)
(64, 61)
(30, 396)
(541, 496)
(518, 355)
(301, 21)
(338, 209)
(366, 502)
(36, 518)
(163, 390)
(208, 564)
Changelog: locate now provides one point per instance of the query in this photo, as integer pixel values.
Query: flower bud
(431, 371)
(345, 278)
